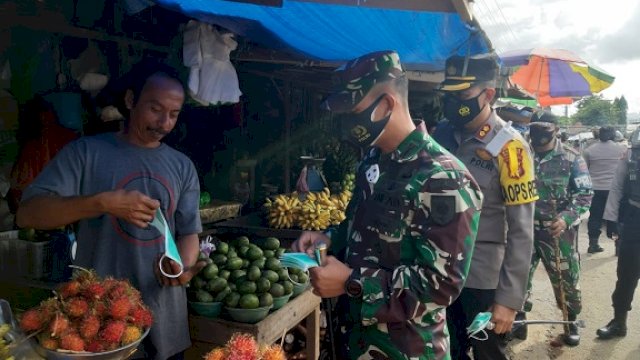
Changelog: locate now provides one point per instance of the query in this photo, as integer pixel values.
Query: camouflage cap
(461, 73)
(544, 116)
(359, 76)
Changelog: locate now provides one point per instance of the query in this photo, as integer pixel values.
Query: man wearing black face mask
(500, 160)
(410, 226)
(564, 187)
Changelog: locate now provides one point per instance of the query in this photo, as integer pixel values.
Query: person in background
(500, 160)
(623, 206)
(41, 138)
(410, 226)
(602, 158)
(111, 185)
(564, 188)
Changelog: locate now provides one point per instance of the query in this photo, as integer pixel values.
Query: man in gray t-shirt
(602, 159)
(111, 186)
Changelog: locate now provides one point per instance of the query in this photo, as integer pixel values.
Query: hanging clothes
(213, 79)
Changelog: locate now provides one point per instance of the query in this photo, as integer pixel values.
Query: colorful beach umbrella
(554, 76)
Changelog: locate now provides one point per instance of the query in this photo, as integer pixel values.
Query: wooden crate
(219, 210)
(306, 306)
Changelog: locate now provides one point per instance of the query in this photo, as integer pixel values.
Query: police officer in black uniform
(623, 206)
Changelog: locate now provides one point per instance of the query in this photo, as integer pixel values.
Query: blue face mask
(461, 112)
(361, 128)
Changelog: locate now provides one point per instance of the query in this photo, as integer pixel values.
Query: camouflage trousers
(569, 273)
(386, 341)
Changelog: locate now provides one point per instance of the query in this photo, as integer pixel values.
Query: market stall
(272, 162)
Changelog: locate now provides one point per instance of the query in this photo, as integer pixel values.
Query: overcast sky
(604, 33)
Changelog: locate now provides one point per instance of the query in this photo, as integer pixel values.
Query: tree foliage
(596, 111)
(619, 109)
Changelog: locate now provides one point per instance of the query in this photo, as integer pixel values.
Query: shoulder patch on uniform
(517, 179)
(443, 209)
(513, 157)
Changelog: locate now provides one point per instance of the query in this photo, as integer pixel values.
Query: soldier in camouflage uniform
(410, 226)
(564, 188)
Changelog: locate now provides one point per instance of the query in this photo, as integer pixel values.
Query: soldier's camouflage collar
(411, 146)
(557, 150)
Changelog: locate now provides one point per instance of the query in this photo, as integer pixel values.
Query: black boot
(594, 247)
(615, 328)
(572, 337)
(520, 331)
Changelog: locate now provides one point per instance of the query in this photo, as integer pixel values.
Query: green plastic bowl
(206, 309)
(279, 302)
(249, 316)
(299, 288)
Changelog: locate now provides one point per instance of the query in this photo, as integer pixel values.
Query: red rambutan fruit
(113, 331)
(77, 307)
(120, 308)
(72, 341)
(96, 346)
(93, 291)
(142, 317)
(89, 327)
(58, 325)
(69, 289)
(30, 320)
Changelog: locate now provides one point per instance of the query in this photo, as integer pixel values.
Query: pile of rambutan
(89, 314)
(245, 347)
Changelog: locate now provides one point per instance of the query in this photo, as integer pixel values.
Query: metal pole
(563, 300)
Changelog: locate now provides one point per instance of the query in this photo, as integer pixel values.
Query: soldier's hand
(558, 226)
(308, 240)
(131, 206)
(503, 318)
(328, 281)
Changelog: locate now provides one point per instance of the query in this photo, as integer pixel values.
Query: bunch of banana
(314, 214)
(4, 345)
(282, 210)
(317, 211)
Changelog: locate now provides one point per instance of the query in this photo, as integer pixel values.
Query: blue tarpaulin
(338, 33)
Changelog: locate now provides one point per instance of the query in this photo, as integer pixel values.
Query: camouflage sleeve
(580, 190)
(443, 233)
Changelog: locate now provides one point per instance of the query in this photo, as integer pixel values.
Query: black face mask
(461, 112)
(360, 127)
(541, 134)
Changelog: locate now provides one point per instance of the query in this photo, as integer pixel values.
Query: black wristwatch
(353, 286)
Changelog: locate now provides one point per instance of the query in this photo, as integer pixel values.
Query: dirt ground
(597, 282)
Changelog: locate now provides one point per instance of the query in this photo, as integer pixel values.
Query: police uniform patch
(482, 133)
(517, 180)
(443, 209)
(483, 154)
(451, 70)
(513, 158)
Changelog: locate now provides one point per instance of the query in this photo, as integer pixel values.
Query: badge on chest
(373, 174)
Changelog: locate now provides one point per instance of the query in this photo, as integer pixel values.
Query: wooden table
(209, 333)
